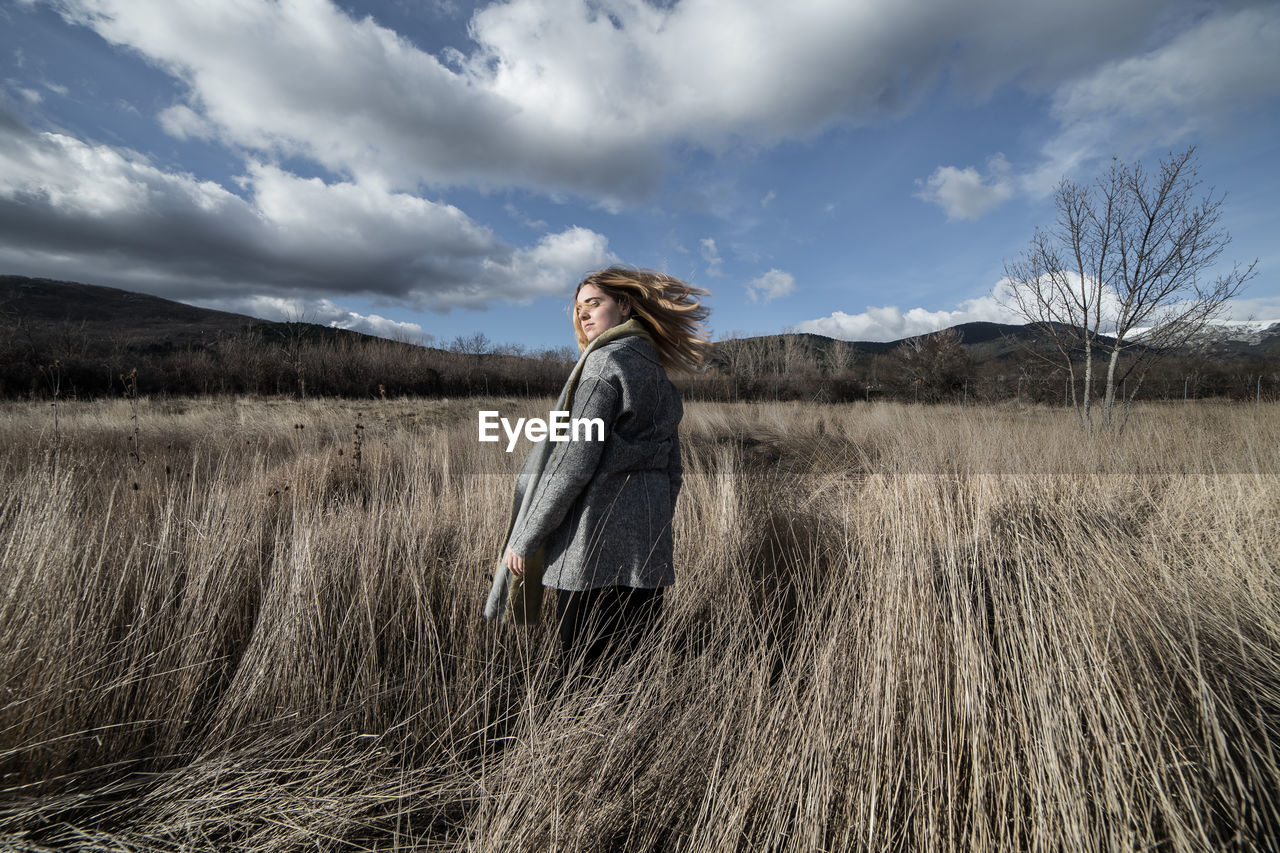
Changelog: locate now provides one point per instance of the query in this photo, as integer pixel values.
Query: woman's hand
(515, 563)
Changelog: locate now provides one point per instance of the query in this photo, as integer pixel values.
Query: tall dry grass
(895, 628)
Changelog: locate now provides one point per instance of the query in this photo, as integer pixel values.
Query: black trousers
(604, 625)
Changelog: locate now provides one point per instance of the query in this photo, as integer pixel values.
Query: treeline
(938, 368)
(294, 359)
(303, 360)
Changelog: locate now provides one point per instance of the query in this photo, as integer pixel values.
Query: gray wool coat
(604, 508)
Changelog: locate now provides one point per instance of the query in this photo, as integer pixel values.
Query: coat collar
(641, 345)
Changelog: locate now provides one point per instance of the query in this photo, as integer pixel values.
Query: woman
(594, 516)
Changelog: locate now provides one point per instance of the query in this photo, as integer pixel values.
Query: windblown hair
(668, 308)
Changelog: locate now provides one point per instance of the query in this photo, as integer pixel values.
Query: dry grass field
(255, 625)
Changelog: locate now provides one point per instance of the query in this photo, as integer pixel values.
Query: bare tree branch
(1122, 271)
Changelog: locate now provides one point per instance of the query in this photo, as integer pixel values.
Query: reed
(895, 628)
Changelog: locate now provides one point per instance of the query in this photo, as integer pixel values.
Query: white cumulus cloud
(1227, 64)
(88, 212)
(891, 323)
(710, 254)
(1228, 61)
(772, 285)
(587, 95)
(182, 122)
(1224, 64)
(544, 268)
(322, 311)
(965, 193)
(374, 324)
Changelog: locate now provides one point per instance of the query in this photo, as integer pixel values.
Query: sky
(429, 169)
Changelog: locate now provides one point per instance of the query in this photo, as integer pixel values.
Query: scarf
(519, 599)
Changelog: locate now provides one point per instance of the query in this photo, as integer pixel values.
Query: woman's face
(598, 311)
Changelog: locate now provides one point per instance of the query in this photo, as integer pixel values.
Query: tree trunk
(1071, 383)
(1110, 399)
(1088, 379)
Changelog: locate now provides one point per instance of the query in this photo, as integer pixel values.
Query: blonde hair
(669, 310)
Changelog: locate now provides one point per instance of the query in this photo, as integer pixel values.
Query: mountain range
(39, 308)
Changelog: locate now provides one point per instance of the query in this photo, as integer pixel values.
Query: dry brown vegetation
(255, 625)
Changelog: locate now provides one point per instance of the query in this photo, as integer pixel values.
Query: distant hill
(82, 340)
(143, 321)
(99, 314)
(984, 342)
(94, 335)
(106, 311)
(987, 342)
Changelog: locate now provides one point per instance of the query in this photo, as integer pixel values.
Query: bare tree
(935, 364)
(796, 359)
(838, 356)
(513, 350)
(297, 331)
(12, 327)
(742, 359)
(1123, 270)
(558, 355)
(477, 343)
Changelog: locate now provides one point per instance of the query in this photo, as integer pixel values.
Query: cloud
(770, 286)
(711, 255)
(966, 194)
(1229, 57)
(1228, 62)
(519, 216)
(182, 122)
(768, 198)
(1221, 66)
(1259, 308)
(890, 323)
(86, 212)
(1226, 65)
(373, 324)
(303, 79)
(322, 311)
(588, 96)
(556, 259)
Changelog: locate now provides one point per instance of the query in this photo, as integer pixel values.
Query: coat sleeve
(675, 469)
(570, 468)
